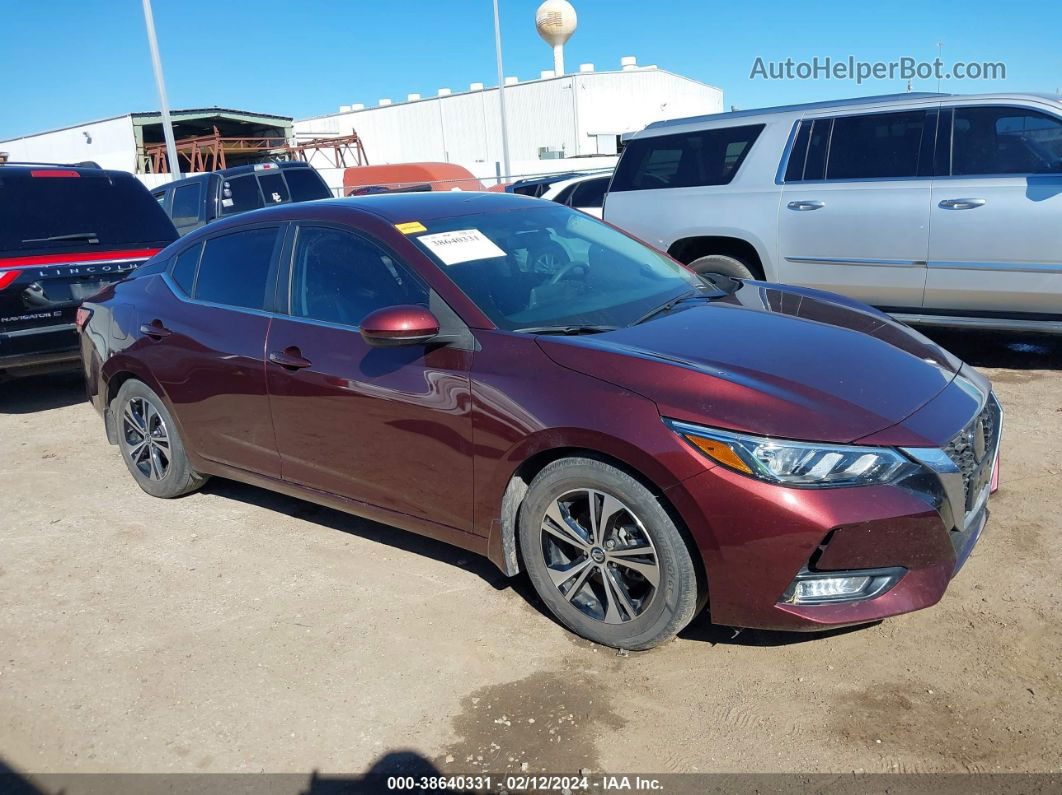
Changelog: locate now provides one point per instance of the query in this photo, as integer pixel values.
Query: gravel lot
(238, 630)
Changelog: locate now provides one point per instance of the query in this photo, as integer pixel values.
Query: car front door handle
(289, 358)
(960, 204)
(155, 330)
(805, 205)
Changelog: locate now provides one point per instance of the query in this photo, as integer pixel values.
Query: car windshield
(550, 266)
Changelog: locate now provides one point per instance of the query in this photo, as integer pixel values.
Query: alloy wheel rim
(147, 439)
(599, 556)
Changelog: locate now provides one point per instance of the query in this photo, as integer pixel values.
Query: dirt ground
(239, 630)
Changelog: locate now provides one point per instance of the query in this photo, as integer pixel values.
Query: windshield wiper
(568, 331)
(689, 295)
(91, 237)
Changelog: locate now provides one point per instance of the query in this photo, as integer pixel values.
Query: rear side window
(705, 157)
(273, 188)
(91, 212)
(305, 184)
(994, 140)
(186, 203)
(184, 265)
(876, 145)
(590, 193)
(234, 269)
(240, 194)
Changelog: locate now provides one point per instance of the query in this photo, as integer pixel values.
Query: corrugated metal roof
(192, 112)
(209, 112)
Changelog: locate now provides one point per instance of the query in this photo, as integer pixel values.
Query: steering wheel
(565, 270)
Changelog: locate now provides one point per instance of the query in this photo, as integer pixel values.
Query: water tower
(556, 21)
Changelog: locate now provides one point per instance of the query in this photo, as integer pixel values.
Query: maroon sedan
(524, 381)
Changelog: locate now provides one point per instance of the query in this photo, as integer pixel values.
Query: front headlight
(796, 463)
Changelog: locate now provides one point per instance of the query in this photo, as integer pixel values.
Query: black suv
(202, 198)
(65, 232)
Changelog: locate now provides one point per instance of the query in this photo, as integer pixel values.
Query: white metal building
(551, 121)
(575, 115)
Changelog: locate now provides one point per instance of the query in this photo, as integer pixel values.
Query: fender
(123, 366)
(548, 445)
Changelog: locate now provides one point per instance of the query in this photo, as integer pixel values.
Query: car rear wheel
(151, 447)
(720, 263)
(605, 556)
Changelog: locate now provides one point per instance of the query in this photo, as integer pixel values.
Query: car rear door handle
(805, 204)
(960, 204)
(155, 330)
(289, 358)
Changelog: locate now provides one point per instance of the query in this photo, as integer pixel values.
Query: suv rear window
(306, 185)
(684, 160)
(273, 188)
(240, 194)
(118, 211)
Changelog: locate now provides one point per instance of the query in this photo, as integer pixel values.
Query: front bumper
(755, 537)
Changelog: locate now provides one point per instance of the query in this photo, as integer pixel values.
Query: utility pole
(501, 94)
(156, 62)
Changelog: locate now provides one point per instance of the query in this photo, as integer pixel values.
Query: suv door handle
(805, 204)
(290, 358)
(155, 330)
(960, 204)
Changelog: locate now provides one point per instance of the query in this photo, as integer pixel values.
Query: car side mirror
(393, 326)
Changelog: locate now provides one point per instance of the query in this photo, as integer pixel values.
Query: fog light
(819, 588)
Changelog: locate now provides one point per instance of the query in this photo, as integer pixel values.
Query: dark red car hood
(771, 360)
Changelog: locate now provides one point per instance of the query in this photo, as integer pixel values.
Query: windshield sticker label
(226, 202)
(411, 227)
(463, 245)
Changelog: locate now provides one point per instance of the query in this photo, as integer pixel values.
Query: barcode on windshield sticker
(462, 245)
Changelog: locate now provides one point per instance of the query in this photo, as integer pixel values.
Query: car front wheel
(605, 556)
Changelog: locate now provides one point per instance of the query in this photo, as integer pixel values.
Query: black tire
(584, 602)
(720, 263)
(160, 466)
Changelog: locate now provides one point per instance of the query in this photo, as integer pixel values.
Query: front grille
(973, 449)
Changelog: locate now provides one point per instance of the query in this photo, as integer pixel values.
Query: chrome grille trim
(955, 465)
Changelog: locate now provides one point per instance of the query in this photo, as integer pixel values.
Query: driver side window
(998, 140)
(338, 277)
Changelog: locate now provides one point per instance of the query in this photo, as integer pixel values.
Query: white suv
(941, 209)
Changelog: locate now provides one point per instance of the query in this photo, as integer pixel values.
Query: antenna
(940, 57)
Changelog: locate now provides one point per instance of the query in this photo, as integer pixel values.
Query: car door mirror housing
(399, 325)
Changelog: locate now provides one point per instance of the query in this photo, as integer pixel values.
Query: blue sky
(65, 62)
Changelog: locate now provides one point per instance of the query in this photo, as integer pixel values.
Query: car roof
(556, 188)
(393, 208)
(548, 178)
(853, 102)
(26, 169)
(228, 172)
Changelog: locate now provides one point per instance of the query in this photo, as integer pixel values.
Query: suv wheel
(720, 263)
(150, 445)
(605, 556)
